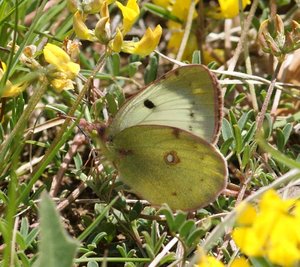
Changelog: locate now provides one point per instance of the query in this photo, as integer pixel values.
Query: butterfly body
(162, 140)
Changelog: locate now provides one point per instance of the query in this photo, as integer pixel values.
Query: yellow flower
(179, 9)
(146, 45)
(64, 69)
(209, 261)
(175, 41)
(228, 9)
(240, 262)
(10, 89)
(272, 232)
(81, 29)
(130, 14)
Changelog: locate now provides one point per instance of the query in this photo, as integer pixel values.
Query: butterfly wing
(166, 165)
(188, 98)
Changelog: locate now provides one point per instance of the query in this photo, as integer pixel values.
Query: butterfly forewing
(188, 98)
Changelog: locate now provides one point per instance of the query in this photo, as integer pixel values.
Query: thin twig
(187, 31)
(240, 46)
(79, 139)
(71, 198)
(261, 115)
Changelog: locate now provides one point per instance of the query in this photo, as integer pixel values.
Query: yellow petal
(248, 241)
(12, 90)
(62, 84)
(146, 45)
(81, 29)
(246, 214)
(230, 8)
(175, 41)
(61, 60)
(2, 66)
(209, 261)
(117, 42)
(240, 262)
(130, 14)
(180, 9)
(162, 3)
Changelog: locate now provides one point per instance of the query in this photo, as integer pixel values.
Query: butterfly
(162, 140)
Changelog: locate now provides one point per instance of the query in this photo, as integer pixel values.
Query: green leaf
(238, 139)
(165, 210)
(151, 70)
(227, 131)
(287, 130)
(268, 126)
(92, 264)
(249, 135)
(194, 236)
(186, 228)
(279, 139)
(196, 57)
(226, 145)
(283, 2)
(179, 219)
(115, 61)
(239, 98)
(232, 118)
(246, 156)
(160, 11)
(56, 248)
(244, 119)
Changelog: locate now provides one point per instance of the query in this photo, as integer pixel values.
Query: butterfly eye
(149, 104)
(171, 158)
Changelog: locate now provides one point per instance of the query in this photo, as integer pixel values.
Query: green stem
(21, 123)
(247, 59)
(11, 209)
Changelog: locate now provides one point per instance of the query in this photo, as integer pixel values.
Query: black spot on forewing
(149, 104)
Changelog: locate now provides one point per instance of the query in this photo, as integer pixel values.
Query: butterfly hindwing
(188, 98)
(163, 164)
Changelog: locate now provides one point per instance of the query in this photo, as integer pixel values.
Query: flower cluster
(276, 40)
(61, 71)
(102, 32)
(271, 231)
(180, 10)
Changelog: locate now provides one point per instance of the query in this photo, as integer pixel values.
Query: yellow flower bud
(62, 70)
(102, 30)
(81, 29)
(117, 42)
